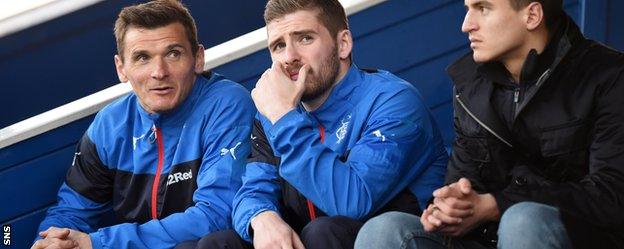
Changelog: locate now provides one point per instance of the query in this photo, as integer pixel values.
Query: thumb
(464, 186)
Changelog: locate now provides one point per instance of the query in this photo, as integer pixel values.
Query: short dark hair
(155, 14)
(331, 13)
(553, 10)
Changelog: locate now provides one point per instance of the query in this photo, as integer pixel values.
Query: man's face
(300, 38)
(496, 31)
(160, 65)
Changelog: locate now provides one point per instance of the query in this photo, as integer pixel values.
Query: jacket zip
(538, 84)
(516, 101)
(480, 122)
(311, 209)
(542, 78)
(161, 155)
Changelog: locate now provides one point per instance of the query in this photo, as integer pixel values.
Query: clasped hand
(457, 209)
(62, 238)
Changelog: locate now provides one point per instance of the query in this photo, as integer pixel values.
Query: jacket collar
(534, 65)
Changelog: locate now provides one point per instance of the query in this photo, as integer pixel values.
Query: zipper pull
(153, 136)
(516, 95)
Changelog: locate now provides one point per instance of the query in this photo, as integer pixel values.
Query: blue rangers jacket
(166, 178)
(371, 147)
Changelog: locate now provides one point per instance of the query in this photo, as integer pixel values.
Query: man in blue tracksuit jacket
(332, 144)
(166, 160)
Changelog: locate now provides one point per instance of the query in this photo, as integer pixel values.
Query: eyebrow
(294, 33)
(302, 32)
(176, 45)
(481, 3)
(170, 47)
(272, 44)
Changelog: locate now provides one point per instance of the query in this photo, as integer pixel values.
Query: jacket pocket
(563, 139)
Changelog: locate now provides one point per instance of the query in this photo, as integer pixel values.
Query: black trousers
(322, 233)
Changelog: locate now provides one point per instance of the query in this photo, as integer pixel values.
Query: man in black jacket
(539, 155)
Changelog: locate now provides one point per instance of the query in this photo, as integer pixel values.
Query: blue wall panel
(416, 40)
(615, 24)
(246, 70)
(36, 182)
(603, 21)
(43, 144)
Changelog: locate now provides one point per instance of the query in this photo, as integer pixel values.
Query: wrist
(85, 241)
(258, 221)
(278, 114)
(491, 211)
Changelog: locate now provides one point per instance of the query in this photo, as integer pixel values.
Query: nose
(469, 24)
(159, 70)
(291, 55)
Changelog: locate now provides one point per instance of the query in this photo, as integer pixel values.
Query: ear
(344, 41)
(199, 60)
(534, 15)
(121, 74)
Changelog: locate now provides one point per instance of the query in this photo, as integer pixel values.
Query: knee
(532, 225)
(322, 225)
(528, 217)
(191, 244)
(330, 232)
(390, 230)
(219, 239)
(391, 223)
